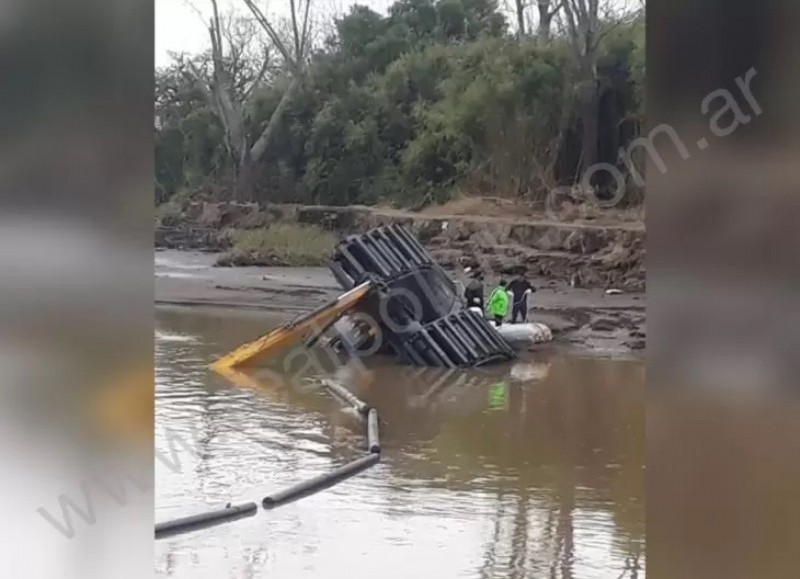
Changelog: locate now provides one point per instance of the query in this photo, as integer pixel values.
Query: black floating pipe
(320, 482)
(347, 396)
(373, 440)
(202, 520)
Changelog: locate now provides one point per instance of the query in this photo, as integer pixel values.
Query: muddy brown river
(527, 470)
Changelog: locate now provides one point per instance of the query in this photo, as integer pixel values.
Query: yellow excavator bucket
(317, 322)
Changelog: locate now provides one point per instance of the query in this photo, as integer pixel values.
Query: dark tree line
(405, 109)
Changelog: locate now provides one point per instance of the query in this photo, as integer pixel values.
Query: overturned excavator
(398, 301)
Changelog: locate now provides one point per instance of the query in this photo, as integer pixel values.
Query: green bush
(280, 245)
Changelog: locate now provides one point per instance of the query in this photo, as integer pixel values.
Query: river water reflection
(534, 469)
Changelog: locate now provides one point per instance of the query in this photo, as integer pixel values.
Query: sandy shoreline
(584, 320)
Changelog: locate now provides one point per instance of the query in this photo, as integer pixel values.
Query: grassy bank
(280, 245)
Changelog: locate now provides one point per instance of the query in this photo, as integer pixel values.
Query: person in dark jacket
(520, 288)
(473, 292)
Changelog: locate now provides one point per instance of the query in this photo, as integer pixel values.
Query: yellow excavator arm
(125, 407)
(314, 322)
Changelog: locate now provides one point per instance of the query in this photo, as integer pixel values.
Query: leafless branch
(613, 20)
(197, 78)
(270, 30)
(297, 50)
(261, 144)
(216, 35)
(306, 31)
(557, 7)
(259, 76)
(194, 9)
(572, 27)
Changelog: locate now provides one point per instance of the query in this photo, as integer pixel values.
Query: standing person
(498, 303)
(473, 292)
(520, 289)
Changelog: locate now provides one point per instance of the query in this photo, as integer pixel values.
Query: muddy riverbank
(595, 250)
(584, 320)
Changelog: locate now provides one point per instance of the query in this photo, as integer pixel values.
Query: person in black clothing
(520, 287)
(473, 292)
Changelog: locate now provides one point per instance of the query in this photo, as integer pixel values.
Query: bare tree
(295, 57)
(547, 10)
(586, 23)
(582, 22)
(231, 80)
(520, 6)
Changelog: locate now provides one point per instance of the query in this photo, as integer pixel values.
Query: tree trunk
(545, 21)
(582, 21)
(260, 146)
(589, 110)
(520, 18)
(567, 114)
(245, 179)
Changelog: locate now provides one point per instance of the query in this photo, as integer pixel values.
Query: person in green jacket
(498, 303)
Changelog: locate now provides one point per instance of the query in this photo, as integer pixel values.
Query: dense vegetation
(434, 99)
